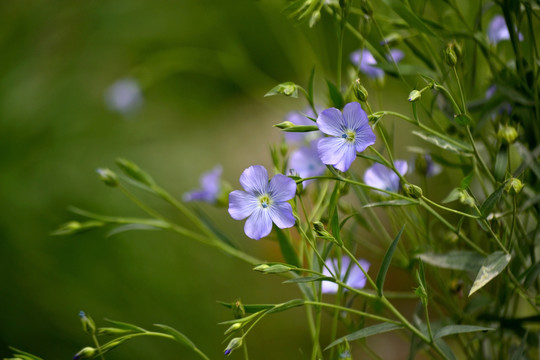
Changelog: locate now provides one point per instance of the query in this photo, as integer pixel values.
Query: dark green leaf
(464, 184)
(306, 279)
(400, 7)
(491, 201)
(501, 163)
(24, 353)
(381, 276)
(287, 250)
(126, 326)
(492, 266)
(286, 306)
(365, 332)
(335, 95)
(333, 214)
(399, 202)
(461, 149)
(459, 329)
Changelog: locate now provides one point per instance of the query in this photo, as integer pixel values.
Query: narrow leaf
(130, 227)
(493, 265)
(491, 201)
(286, 306)
(459, 329)
(24, 353)
(400, 202)
(462, 149)
(126, 326)
(464, 184)
(365, 332)
(287, 250)
(381, 276)
(181, 338)
(307, 279)
(455, 260)
(409, 16)
(335, 95)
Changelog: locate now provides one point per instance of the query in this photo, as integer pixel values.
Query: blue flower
(498, 31)
(210, 187)
(350, 133)
(124, 96)
(306, 163)
(298, 118)
(382, 177)
(262, 202)
(350, 273)
(425, 165)
(365, 61)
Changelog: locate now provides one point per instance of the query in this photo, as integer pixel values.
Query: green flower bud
(284, 125)
(286, 88)
(75, 227)
(113, 331)
(133, 171)
(360, 91)
(513, 186)
(234, 344)
(413, 191)
(507, 133)
(238, 310)
(108, 177)
(272, 269)
(85, 353)
(366, 7)
(452, 53)
(233, 328)
(465, 198)
(415, 95)
(88, 324)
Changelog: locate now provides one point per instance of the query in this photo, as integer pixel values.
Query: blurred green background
(204, 67)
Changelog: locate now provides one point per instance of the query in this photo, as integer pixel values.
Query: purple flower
(298, 118)
(432, 168)
(366, 62)
(124, 96)
(382, 177)
(210, 187)
(351, 274)
(498, 31)
(306, 163)
(350, 133)
(264, 202)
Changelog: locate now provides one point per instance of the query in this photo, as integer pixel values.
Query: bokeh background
(203, 67)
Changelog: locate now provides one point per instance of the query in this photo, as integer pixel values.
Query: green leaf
(126, 326)
(130, 227)
(446, 350)
(531, 275)
(335, 95)
(287, 88)
(409, 16)
(491, 201)
(464, 184)
(181, 338)
(333, 214)
(250, 309)
(287, 250)
(399, 202)
(455, 260)
(501, 163)
(365, 332)
(493, 265)
(310, 85)
(307, 279)
(26, 355)
(286, 306)
(405, 69)
(462, 149)
(381, 276)
(452, 196)
(459, 329)
(133, 171)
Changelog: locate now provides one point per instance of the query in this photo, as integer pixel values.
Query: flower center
(264, 201)
(349, 135)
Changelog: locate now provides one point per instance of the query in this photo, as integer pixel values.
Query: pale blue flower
(350, 273)
(262, 202)
(306, 163)
(350, 133)
(498, 31)
(210, 187)
(382, 177)
(365, 61)
(124, 96)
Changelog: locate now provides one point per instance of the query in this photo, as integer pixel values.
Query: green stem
(449, 209)
(353, 311)
(96, 342)
(478, 157)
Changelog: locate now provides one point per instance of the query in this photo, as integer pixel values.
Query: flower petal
(282, 215)
(355, 117)
(331, 122)
(401, 166)
(259, 224)
(356, 278)
(331, 150)
(364, 137)
(281, 188)
(255, 180)
(377, 176)
(349, 155)
(241, 204)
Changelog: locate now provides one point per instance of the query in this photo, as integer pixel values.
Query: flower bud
(284, 125)
(287, 88)
(450, 56)
(415, 95)
(133, 171)
(88, 324)
(360, 91)
(238, 310)
(314, 19)
(513, 186)
(234, 344)
(272, 269)
(85, 353)
(321, 232)
(413, 191)
(366, 7)
(233, 328)
(507, 133)
(75, 227)
(108, 177)
(465, 198)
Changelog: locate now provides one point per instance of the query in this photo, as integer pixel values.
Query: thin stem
(449, 209)
(478, 157)
(353, 311)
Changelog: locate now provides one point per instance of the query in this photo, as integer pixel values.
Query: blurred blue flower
(425, 165)
(298, 118)
(263, 201)
(365, 61)
(350, 133)
(382, 177)
(306, 163)
(210, 187)
(498, 31)
(351, 274)
(124, 96)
